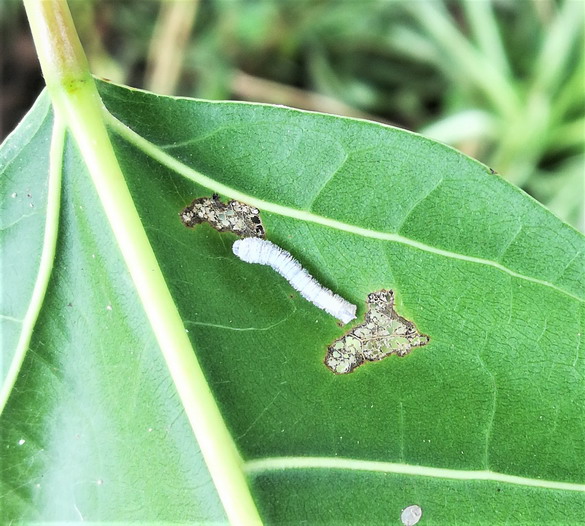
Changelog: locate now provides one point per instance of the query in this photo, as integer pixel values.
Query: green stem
(555, 57)
(169, 45)
(487, 34)
(78, 104)
(459, 56)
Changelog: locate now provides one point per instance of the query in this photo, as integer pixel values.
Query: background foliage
(500, 80)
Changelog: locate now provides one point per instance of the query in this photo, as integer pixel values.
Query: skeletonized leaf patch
(233, 216)
(383, 333)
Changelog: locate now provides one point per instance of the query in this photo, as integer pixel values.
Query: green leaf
(483, 424)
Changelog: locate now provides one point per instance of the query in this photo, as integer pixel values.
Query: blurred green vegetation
(501, 80)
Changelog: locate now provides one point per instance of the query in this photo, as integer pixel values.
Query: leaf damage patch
(233, 216)
(383, 333)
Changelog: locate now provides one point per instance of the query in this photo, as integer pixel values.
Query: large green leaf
(483, 424)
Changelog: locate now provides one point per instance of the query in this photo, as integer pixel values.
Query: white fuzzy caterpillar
(257, 250)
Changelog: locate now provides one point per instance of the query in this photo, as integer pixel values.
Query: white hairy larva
(257, 250)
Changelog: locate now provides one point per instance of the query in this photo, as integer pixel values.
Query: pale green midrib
(46, 261)
(262, 466)
(170, 162)
(85, 122)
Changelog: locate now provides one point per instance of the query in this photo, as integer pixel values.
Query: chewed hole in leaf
(234, 216)
(382, 333)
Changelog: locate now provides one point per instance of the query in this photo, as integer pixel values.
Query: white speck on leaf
(411, 515)
(21, 441)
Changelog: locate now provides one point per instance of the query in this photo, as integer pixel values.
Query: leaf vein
(174, 164)
(261, 466)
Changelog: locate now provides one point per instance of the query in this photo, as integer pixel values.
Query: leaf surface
(484, 422)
